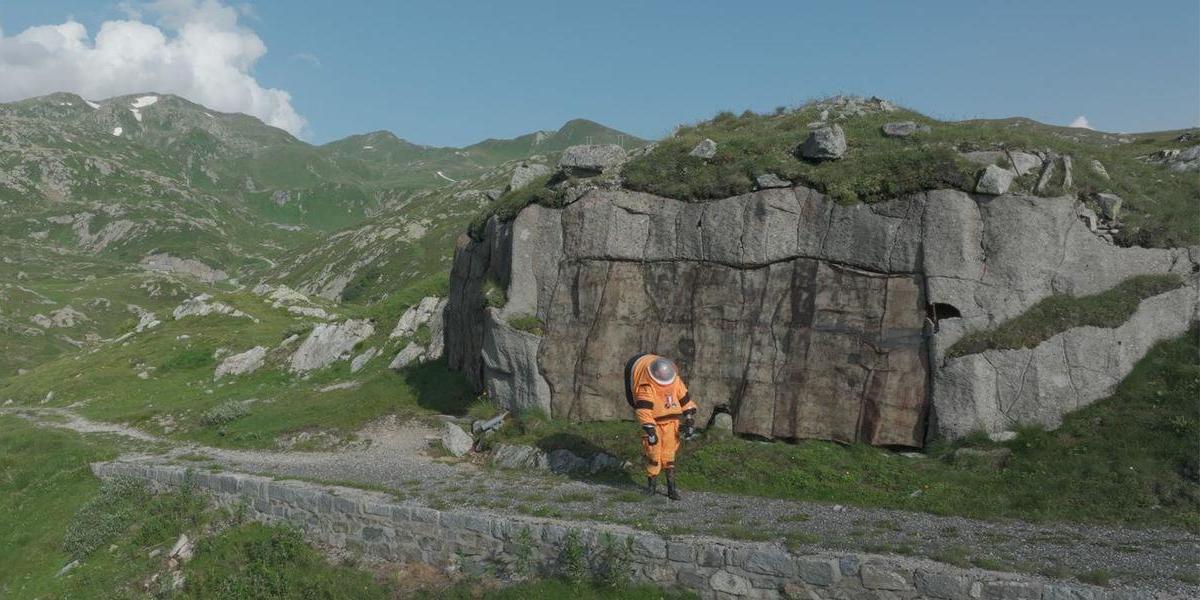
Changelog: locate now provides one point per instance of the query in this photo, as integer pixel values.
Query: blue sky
(452, 73)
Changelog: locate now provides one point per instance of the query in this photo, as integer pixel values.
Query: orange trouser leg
(661, 455)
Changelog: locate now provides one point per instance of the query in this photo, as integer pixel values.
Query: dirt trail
(393, 455)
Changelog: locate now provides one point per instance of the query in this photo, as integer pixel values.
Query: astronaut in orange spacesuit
(664, 410)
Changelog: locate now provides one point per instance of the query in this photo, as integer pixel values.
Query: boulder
(706, 149)
(722, 421)
(1098, 168)
(602, 461)
(994, 180)
(456, 441)
(243, 363)
(590, 159)
(328, 343)
(525, 173)
(904, 128)
(771, 180)
(1109, 205)
(411, 352)
(564, 461)
(513, 456)
(825, 143)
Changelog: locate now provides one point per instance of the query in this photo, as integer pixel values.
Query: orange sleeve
(643, 404)
(686, 403)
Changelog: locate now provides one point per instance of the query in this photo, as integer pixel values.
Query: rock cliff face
(806, 318)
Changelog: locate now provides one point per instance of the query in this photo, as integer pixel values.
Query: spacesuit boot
(672, 493)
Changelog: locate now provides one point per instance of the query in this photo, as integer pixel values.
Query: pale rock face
(526, 173)
(998, 390)
(243, 363)
(200, 306)
(165, 263)
(328, 343)
(284, 295)
(771, 180)
(417, 315)
(361, 360)
(765, 298)
(412, 352)
(65, 317)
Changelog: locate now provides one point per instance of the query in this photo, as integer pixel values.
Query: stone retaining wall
(382, 528)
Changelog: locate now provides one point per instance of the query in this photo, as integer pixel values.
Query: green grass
(1128, 459)
(44, 481)
(527, 323)
(750, 145)
(1059, 313)
(257, 561)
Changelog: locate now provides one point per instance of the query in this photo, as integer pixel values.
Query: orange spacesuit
(660, 401)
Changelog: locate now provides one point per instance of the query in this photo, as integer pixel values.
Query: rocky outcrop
(525, 173)
(165, 263)
(1179, 160)
(998, 390)
(590, 159)
(240, 364)
(806, 318)
(427, 313)
(328, 343)
(200, 306)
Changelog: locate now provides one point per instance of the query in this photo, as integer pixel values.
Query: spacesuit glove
(689, 427)
(651, 436)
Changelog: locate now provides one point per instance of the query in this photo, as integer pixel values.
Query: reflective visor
(663, 371)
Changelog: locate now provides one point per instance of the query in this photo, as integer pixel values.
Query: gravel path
(394, 455)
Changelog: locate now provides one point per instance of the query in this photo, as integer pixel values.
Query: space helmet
(663, 371)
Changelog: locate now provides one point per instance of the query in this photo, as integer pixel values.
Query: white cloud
(196, 49)
(1081, 122)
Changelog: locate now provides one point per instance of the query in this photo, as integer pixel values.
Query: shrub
(493, 294)
(223, 413)
(105, 516)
